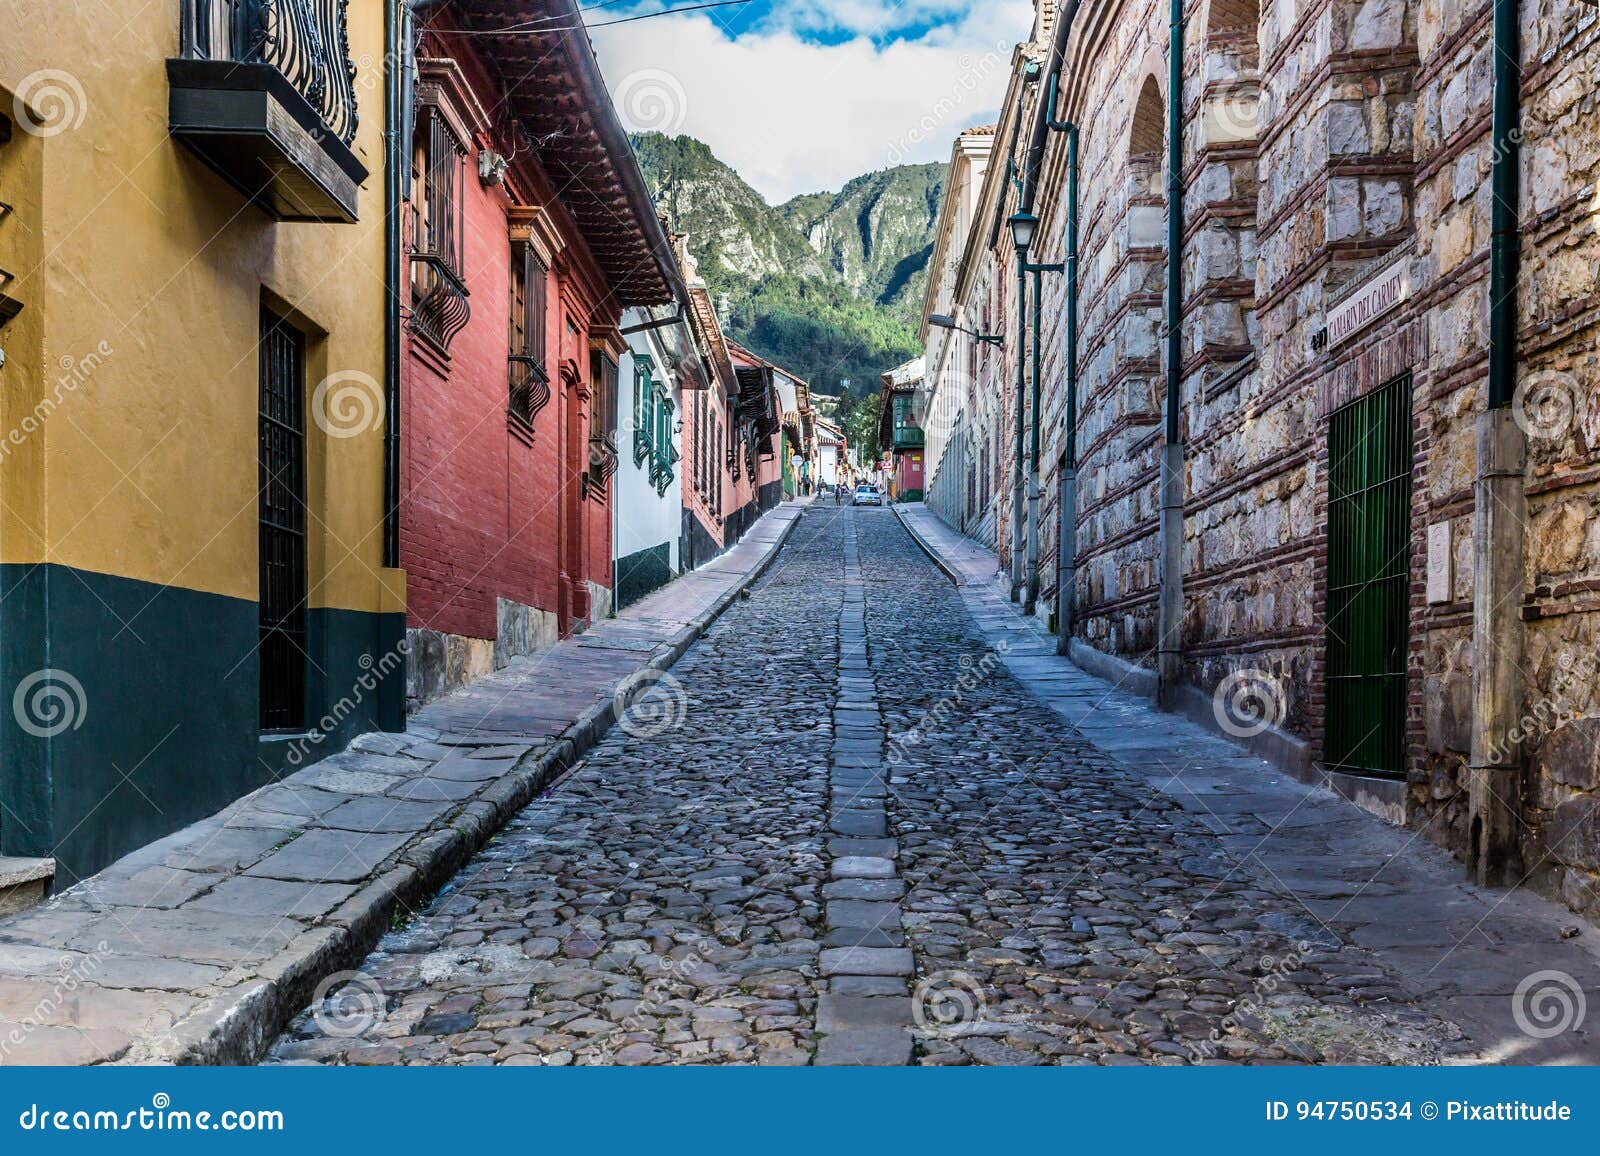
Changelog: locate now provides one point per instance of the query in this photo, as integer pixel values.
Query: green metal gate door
(1369, 596)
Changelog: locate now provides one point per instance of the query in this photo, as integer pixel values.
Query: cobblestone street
(857, 838)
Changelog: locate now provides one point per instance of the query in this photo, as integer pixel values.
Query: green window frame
(644, 418)
(1370, 463)
(665, 455)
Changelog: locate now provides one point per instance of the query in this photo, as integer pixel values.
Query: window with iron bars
(529, 379)
(438, 230)
(644, 418)
(603, 456)
(713, 476)
(701, 441)
(665, 455)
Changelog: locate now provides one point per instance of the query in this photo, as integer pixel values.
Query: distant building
(900, 436)
(661, 376)
(962, 423)
(832, 467)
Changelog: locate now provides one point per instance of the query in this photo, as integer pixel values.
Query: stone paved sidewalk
(1461, 951)
(199, 948)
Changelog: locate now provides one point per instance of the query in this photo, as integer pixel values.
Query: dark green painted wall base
(149, 720)
(698, 546)
(639, 574)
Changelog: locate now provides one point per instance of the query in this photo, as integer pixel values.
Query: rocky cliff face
(876, 233)
(732, 230)
(827, 285)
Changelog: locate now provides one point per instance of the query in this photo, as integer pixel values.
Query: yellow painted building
(193, 410)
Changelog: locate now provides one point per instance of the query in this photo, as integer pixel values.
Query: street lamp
(1025, 584)
(945, 321)
(1023, 224)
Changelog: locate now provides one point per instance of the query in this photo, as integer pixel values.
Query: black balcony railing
(307, 41)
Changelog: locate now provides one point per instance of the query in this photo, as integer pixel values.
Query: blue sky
(826, 22)
(801, 95)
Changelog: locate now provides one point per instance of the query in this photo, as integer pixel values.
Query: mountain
(876, 234)
(827, 285)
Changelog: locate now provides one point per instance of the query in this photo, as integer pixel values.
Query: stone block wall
(1559, 400)
(1325, 141)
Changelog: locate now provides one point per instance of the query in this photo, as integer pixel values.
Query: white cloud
(797, 117)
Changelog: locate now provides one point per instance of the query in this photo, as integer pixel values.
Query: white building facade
(965, 444)
(647, 514)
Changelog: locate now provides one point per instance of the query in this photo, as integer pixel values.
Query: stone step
(866, 1047)
(864, 937)
(24, 882)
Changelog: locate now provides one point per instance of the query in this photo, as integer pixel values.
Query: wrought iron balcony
(265, 94)
(603, 462)
(530, 386)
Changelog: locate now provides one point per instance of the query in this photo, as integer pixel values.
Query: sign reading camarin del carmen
(1381, 293)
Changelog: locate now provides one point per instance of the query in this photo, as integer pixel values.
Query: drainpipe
(397, 37)
(1169, 661)
(1030, 600)
(1500, 506)
(1019, 482)
(1067, 505)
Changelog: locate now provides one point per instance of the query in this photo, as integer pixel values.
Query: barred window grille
(701, 441)
(529, 379)
(282, 515)
(665, 455)
(603, 457)
(714, 479)
(644, 424)
(438, 231)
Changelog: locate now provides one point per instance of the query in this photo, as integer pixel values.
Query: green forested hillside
(828, 285)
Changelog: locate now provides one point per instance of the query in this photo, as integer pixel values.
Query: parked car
(867, 496)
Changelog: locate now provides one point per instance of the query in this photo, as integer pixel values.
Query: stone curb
(237, 1026)
(927, 548)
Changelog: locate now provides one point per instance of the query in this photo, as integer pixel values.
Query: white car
(867, 496)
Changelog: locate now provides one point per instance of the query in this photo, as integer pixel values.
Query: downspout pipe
(1018, 545)
(1019, 481)
(1067, 499)
(1030, 598)
(1044, 122)
(1505, 241)
(1500, 506)
(1170, 624)
(396, 20)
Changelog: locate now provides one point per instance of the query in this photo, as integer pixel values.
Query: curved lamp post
(1024, 225)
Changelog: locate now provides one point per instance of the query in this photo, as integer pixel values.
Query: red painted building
(900, 433)
(528, 231)
(709, 493)
(732, 438)
(755, 463)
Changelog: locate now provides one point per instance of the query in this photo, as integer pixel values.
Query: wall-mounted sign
(1371, 301)
(1441, 555)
